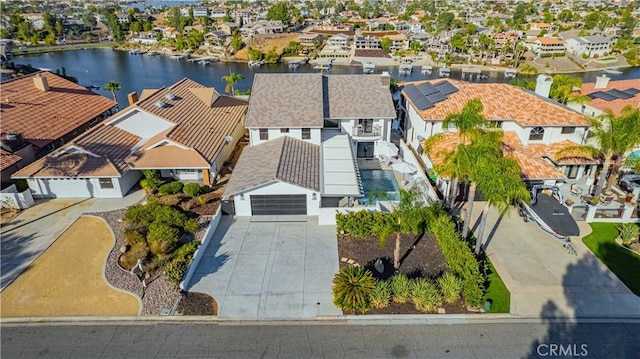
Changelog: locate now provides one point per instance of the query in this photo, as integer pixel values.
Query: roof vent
(161, 104)
(228, 139)
(171, 97)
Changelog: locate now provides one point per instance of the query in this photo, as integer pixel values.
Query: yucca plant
(451, 287)
(381, 294)
(628, 232)
(352, 287)
(401, 288)
(425, 295)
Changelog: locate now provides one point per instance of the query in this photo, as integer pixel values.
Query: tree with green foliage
(351, 289)
(563, 87)
(445, 20)
(113, 86)
(272, 56)
(236, 43)
(231, 80)
(385, 44)
(293, 47)
(283, 11)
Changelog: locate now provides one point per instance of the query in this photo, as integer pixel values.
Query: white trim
(166, 141)
(74, 147)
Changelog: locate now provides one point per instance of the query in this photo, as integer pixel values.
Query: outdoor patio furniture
(606, 200)
(584, 199)
(575, 190)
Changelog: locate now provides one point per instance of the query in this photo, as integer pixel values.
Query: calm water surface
(138, 72)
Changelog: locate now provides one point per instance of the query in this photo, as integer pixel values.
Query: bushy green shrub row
(459, 257)
(355, 290)
(383, 224)
(171, 187)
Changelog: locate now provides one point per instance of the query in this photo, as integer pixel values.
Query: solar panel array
(615, 94)
(426, 95)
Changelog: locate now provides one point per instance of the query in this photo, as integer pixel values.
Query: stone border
(619, 242)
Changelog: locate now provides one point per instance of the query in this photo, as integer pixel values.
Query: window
(306, 133)
(536, 134)
(284, 130)
(264, 134)
(332, 123)
(185, 171)
(568, 130)
(106, 183)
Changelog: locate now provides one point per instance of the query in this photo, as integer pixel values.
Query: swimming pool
(379, 180)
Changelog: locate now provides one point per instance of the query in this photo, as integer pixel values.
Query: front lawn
(624, 264)
(496, 291)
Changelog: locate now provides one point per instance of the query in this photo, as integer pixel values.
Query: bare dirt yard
(265, 43)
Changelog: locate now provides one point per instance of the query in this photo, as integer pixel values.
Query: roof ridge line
(277, 174)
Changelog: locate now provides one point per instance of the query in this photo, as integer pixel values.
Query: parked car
(630, 182)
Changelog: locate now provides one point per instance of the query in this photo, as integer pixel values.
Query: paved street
(538, 271)
(156, 340)
(272, 270)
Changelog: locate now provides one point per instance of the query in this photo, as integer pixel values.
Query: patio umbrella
(387, 149)
(404, 167)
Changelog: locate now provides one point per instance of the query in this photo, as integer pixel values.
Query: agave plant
(451, 287)
(352, 287)
(629, 232)
(381, 294)
(401, 288)
(425, 295)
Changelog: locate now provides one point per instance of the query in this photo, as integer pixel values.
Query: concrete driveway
(541, 274)
(29, 234)
(274, 270)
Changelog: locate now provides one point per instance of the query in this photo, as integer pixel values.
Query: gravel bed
(159, 293)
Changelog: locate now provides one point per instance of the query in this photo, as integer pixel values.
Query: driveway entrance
(541, 274)
(269, 270)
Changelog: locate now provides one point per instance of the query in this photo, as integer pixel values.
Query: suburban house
(591, 46)
(546, 46)
(367, 43)
(200, 11)
(309, 40)
(186, 131)
(262, 27)
(42, 111)
(608, 95)
(307, 132)
(535, 127)
(228, 27)
(340, 41)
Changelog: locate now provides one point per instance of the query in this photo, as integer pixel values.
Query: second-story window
(264, 134)
(568, 130)
(306, 133)
(284, 130)
(536, 134)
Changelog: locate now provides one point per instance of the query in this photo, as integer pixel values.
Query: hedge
(191, 189)
(171, 188)
(459, 258)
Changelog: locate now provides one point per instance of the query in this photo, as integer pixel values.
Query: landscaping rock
(124, 248)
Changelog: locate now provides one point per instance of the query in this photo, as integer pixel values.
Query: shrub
(381, 294)
(202, 200)
(191, 189)
(160, 248)
(132, 237)
(130, 258)
(628, 232)
(138, 216)
(174, 271)
(450, 286)
(186, 251)
(171, 187)
(150, 184)
(162, 232)
(191, 225)
(401, 288)
(352, 287)
(425, 295)
(170, 216)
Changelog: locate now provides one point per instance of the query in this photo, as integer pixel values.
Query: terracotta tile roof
(503, 102)
(200, 125)
(547, 40)
(533, 165)
(45, 116)
(284, 159)
(551, 151)
(8, 159)
(616, 105)
(111, 144)
(305, 100)
(167, 157)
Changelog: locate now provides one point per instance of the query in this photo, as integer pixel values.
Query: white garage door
(68, 188)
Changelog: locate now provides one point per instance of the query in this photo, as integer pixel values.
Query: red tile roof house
(186, 131)
(307, 132)
(42, 111)
(535, 127)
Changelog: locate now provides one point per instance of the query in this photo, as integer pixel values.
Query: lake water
(138, 72)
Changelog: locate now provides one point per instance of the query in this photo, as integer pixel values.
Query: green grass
(623, 263)
(496, 291)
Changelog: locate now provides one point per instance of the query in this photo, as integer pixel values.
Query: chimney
(40, 82)
(543, 85)
(132, 97)
(601, 82)
(385, 79)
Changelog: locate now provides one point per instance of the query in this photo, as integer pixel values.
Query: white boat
(256, 63)
(510, 73)
(135, 52)
(368, 68)
(176, 57)
(204, 62)
(445, 72)
(426, 69)
(405, 69)
(612, 72)
(152, 53)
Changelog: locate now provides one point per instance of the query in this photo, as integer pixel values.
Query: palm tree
(562, 88)
(614, 136)
(231, 80)
(113, 87)
(502, 187)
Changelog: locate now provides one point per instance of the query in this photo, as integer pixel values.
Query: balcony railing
(362, 131)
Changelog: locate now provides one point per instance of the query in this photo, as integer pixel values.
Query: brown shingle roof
(305, 100)
(110, 143)
(618, 104)
(284, 159)
(8, 159)
(45, 116)
(504, 102)
(167, 157)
